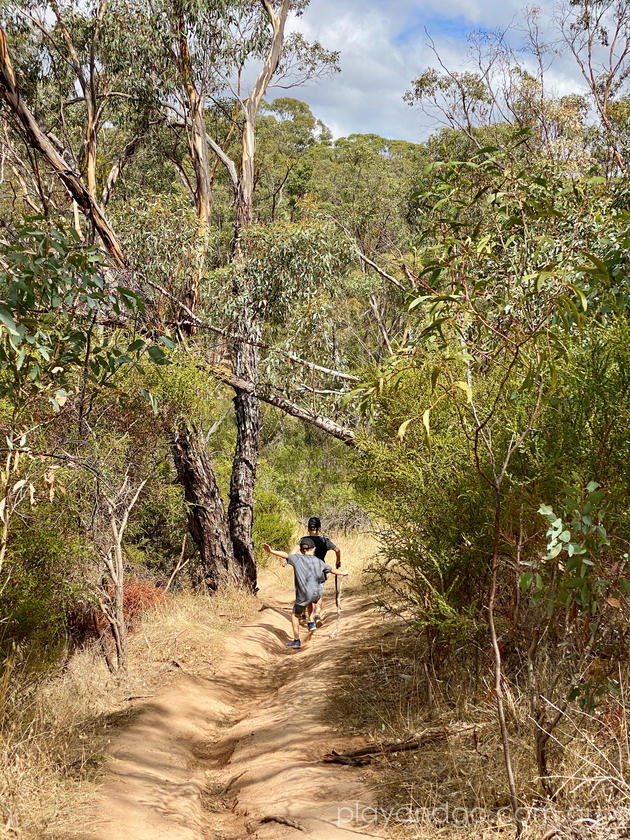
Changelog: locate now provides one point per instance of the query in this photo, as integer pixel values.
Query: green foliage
(363, 182)
(45, 577)
(312, 472)
(283, 265)
(287, 132)
(578, 574)
(510, 388)
(181, 388)
(154, 538)
(433, 512)
(274, 522)
(52, 295)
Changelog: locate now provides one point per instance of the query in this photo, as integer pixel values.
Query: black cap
(314, 522)
(307, 542)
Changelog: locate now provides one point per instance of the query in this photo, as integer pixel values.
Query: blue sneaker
(295, 643)
(318, 620)
(311, 625)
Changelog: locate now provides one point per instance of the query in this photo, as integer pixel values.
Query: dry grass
(358, 549)
(54, 731)
(432, 792)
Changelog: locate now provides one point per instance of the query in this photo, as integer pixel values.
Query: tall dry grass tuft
(55, 728)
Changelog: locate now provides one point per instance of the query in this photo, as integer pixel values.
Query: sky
(383, 45)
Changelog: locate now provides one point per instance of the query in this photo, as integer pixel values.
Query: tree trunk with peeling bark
(199, 155)
(90, 149)
(207, 520)
(198, 146)
(243, 479)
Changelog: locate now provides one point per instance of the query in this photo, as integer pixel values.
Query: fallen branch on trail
(357, 758)
(283, 821)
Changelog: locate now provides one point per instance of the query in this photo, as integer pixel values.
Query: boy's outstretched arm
(339, 572)
(282, 554)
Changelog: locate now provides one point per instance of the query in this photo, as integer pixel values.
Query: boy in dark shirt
(322, 546)
(309, 574)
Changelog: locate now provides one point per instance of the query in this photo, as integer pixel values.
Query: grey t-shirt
(309, 573)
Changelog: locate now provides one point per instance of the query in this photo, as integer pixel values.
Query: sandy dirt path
(238, 754)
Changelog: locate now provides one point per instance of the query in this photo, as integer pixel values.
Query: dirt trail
(238, 754)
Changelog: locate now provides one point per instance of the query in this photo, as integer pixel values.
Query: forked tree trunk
(207, 520)
(112, 604)
(243, 480)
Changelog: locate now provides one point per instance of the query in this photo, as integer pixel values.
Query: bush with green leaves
(52, 293)
(564, 576)
(46, 574)
(432, 510)
(274, 522)
(312, 472)
(512, 384)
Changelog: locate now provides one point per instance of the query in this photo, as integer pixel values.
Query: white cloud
(383, 46)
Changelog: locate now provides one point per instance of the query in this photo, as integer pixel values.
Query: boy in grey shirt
(309, 573)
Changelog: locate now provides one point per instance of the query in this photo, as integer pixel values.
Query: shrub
(273, 522)
(140, 595)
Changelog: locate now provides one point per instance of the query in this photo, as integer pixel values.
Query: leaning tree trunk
(243, 480)
(206, 514)
(38, 140)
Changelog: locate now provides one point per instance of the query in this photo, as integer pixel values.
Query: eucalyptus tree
(288, 132)
(248, 35)
(503, 84)
(597, 33)
(72, 91)
(187, 54)
(202, 54)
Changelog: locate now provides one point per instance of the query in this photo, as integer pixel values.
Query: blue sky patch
(438, 27)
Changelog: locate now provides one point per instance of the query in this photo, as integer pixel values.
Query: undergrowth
(55, 727)
(454, 784)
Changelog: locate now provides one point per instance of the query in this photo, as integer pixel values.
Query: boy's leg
(310, 613)
(295, 625)
(318, 611)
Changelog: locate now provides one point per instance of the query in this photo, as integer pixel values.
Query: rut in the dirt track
(238, 755)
